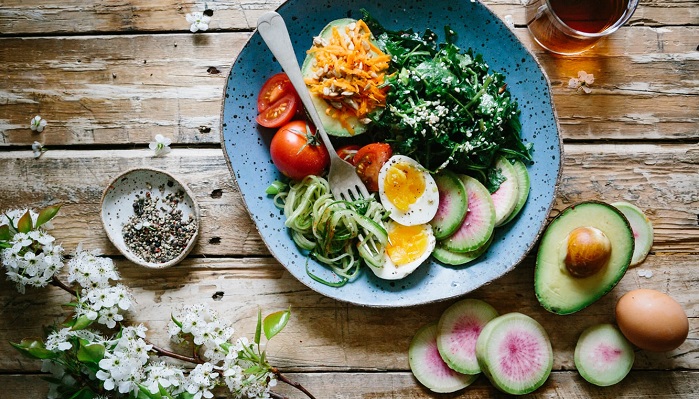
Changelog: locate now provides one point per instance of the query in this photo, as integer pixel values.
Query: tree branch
(164, 352)
(294, 384)
(58, 283)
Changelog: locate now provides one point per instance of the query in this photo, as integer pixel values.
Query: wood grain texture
(328, 335)
(125, 89)
(569, 385)
(74, 16)
(661, 179)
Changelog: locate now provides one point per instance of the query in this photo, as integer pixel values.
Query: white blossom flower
(201, 381)
(245, 385)
(199, 21)
(161, 145)
(582, 82)
(37, 124)
(104, 304)
(165, 375)
(205, 326)
(123, 366)
(509, 21)
(31, 258)
(90, 270)
(38, 149)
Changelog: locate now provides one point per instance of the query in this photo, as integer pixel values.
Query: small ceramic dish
(150, 217)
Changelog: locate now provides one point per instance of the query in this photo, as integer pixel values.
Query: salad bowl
(246, 145)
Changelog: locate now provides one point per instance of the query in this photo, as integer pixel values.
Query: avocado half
(332, 126)
(556, 288)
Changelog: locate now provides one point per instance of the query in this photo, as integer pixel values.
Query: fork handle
(273, 30)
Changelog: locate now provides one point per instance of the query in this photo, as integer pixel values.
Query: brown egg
(652, 320)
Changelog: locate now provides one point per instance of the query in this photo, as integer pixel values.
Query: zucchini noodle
(339, 234)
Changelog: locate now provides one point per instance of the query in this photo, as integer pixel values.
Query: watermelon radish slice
(479, 223)
(506, 197)
(429, 368)
(515, 353)
(459, 258)
(453, 204)
(458, 330)
(524, 185)
(603, 356)
(642, 231)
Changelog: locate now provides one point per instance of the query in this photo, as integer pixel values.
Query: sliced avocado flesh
(557, 290)
(332, 126)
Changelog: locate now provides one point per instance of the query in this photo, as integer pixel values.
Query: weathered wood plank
(348, 337)
(661, 179)
(402, 385)
(76, 17)
(125, 89)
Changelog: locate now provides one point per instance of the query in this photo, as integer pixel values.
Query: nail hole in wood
(218, 193)
(209, 13)
(204, 129)
(215, 240)
(217, 296)
(213, 70)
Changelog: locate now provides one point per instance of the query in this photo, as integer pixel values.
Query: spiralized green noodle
(339, 234)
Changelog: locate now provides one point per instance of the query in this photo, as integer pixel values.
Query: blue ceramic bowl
(246, 145)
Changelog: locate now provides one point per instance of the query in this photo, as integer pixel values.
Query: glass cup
(572, 26)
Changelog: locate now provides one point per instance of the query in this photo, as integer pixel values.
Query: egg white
(422, 210)
(390, 271)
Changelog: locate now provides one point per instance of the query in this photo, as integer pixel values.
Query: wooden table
(110, 75)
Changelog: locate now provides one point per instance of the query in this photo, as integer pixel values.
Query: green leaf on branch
(275, 322)
(34, 349)
(145, 393)
(5, 233)
(90, 353)
(24, 224)
(177, 322)
(47, 214)
(80, 323)
(258, 329)
(85, 393)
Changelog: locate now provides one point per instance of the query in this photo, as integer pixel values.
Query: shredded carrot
(348, 72)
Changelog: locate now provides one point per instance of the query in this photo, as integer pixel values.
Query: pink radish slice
(458, 330)
(506, 196)
(429, 368)
(515, 353)
(479, 223)
(603, 356)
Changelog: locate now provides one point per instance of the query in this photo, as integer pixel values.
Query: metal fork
(344, 182)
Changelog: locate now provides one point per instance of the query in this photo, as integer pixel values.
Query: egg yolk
(406, 243)
(403, 185)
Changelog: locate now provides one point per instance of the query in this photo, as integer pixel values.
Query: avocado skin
(556, 289)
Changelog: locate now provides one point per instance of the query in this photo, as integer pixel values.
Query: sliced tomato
(273, 90)
(369, 160)
(279, 113)
(347, 152)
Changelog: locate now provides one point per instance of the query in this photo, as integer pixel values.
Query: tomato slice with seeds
(280, 112)
(369, 160)
(273, 90)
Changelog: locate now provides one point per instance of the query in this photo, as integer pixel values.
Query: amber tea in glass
(573, 26)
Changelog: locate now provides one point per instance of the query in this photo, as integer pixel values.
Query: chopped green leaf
(275, 188)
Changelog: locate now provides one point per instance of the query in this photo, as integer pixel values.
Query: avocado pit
(588, 251)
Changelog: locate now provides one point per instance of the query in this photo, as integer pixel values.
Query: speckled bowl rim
(547, 208)
(128, 254)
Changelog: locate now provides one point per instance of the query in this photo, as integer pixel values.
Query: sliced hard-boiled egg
(408, 247)
(408, 191)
